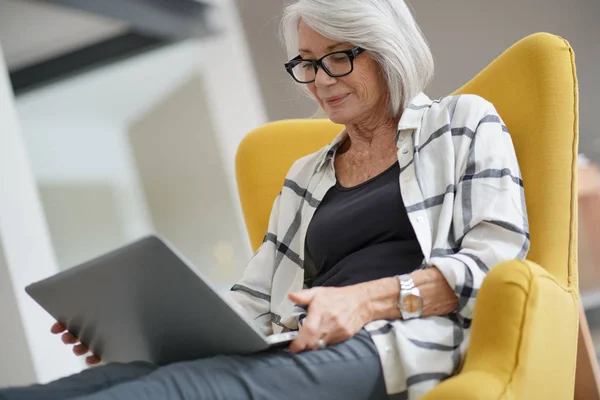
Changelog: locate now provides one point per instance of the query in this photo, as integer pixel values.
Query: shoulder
(461, 110)
(470, 101)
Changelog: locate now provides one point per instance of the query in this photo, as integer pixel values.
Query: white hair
(385, 28)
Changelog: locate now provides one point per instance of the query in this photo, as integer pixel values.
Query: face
(353, 98)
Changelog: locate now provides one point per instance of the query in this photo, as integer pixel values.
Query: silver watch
(410, 302)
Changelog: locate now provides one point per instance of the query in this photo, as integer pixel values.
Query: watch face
(411, 303)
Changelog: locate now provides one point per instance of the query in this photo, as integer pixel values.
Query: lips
(336, 99)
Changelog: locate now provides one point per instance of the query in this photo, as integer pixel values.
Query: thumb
(303, 296)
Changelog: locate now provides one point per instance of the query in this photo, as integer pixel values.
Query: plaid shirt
(462, 190)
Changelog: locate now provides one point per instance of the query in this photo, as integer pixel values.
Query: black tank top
(362, 233)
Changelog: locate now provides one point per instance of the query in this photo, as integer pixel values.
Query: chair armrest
(523, 339)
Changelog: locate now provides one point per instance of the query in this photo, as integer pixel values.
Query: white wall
(76, 129)
(81, 160)
(16, 364)
(26, 256)
(186, 186)
(76, 141)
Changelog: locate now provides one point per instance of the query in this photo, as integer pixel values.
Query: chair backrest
(534, 88)
(263, 159)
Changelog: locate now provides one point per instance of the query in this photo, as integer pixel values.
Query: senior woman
(377, 244)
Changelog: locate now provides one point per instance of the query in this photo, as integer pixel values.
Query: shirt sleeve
(251, 296)
(489, 217)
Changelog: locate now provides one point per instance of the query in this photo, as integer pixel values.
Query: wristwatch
(410, 302)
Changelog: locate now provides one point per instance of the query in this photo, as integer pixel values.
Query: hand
(79, 348)
(334, 315)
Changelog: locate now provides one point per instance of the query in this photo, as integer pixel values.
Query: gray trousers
(348, 370)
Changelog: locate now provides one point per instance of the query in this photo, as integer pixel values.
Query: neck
(373, 132)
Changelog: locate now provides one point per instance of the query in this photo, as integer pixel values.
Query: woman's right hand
(79, 348)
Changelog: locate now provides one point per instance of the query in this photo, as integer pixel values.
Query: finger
(303, 296)
(297, 345)
(300, 342)
(57, 328)
(312, 327)
(92, 360)
(68, 338)
(309, 333)
(80, 349)
(339, 332)
(333, 337)
(331, 332)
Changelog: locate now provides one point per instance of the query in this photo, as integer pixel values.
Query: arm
(492, 229)
(381, 296)
(338, 313)
(251, 296)
(490, 218)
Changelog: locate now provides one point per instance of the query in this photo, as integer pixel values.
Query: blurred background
(120, 118)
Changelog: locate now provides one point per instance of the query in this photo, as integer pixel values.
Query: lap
(347, 370)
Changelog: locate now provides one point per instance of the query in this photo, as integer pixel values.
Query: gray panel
(283, 98)
(465, 42)
(465, 36)
(175, 18)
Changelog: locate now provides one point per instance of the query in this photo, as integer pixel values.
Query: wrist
(410, 302)
(380, 299)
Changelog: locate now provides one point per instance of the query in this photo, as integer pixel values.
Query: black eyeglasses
(336, 64)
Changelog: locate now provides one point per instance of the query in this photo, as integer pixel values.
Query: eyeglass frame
(351, 53)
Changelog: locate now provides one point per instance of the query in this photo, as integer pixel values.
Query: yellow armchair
(524, 332)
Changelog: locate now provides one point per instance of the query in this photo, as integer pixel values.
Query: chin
(341, 117)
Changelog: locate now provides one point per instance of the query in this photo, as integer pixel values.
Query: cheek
(365, 88)
(367, 82)
(312, 88)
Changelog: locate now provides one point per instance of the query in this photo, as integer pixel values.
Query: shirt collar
(411, 119)
(332, 147)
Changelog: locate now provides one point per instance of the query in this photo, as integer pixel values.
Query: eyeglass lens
(336, 64)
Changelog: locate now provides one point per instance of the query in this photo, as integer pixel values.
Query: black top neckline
(339, 186)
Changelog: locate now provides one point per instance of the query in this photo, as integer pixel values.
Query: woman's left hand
(335, 314)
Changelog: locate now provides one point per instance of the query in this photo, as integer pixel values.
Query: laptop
(144, 301)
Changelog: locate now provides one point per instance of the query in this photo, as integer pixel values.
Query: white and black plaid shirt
(462, 189)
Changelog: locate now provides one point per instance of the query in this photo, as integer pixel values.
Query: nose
(322, 79)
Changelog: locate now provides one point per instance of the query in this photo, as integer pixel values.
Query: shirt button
(406, 179)
(404, 151)
(401, 138)
(420, 219)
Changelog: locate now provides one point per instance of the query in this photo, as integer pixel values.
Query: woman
(390, 230)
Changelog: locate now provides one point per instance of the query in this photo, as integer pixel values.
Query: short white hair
(385, 28)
